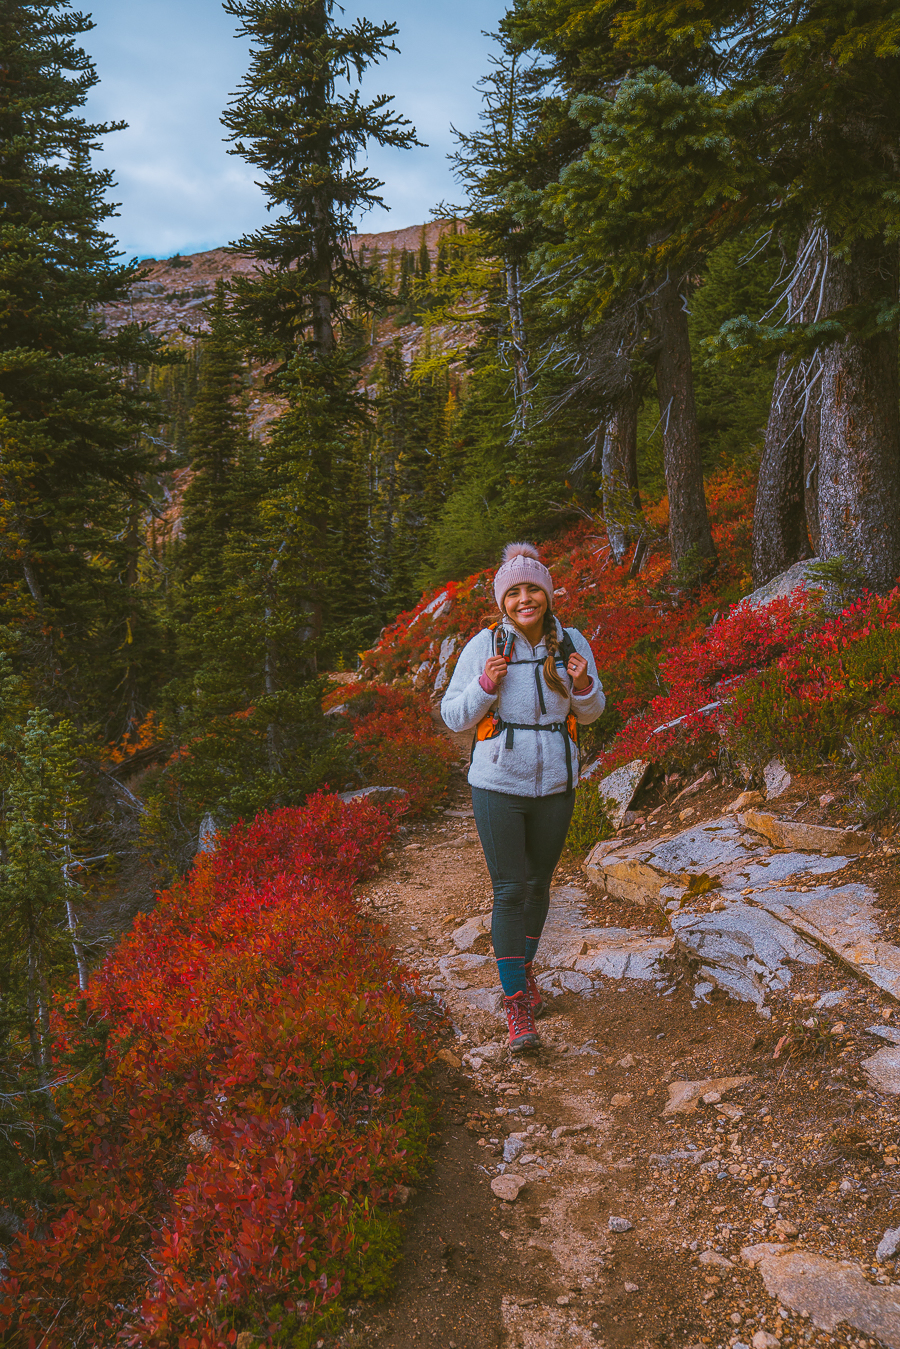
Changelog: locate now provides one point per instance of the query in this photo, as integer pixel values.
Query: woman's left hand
(577, 668)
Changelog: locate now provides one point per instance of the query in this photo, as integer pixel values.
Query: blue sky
(167, 67)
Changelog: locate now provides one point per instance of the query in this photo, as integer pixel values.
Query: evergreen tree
(292, 120)
(786, 117)
(219, 496)
(40, 941)
(71, 456)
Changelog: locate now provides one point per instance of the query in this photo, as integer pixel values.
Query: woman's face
(526, 605)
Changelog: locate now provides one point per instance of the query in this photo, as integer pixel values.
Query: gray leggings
(522, 838)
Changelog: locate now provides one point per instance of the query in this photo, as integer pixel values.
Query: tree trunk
(811, 424)
(779, 517)
(621, 497)
(689, 532)
(859, 440)
(517, 336)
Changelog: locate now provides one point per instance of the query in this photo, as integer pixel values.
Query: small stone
(563, 1300)
(627, 1062)
(200, 1141)
(735, 1318)
(621, 1098)
(449, 1058)
(889, 1244)
(511, 1149)
(631, 1288)
(786, 1229)
(714, 1258)
(686, 813)
(763, 1340)
(507, 1187)
(246, 1340)
(711, 1097)
(619, 1225)
(744, 802)
(402, 1194)
(561, 1130)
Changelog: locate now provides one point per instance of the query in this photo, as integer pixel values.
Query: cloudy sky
(167, 67)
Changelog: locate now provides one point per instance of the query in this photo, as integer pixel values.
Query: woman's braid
(551, 677)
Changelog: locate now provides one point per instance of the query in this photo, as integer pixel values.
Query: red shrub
(257, 1099)
(399, 745)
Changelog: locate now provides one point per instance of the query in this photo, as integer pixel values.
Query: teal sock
(512, 975)
(531, 946)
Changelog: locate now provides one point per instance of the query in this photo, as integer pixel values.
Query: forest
(668, 297)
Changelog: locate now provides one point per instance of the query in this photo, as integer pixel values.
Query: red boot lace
(521, 1016)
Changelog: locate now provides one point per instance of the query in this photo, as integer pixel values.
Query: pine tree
(40, 940)
(71, 455)
(292, 120)
(785, 118)
(218, 498)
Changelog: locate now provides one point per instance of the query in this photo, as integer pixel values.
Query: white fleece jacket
(536, 763)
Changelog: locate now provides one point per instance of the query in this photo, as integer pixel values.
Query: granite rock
(817, 838)
(375, 794)
(777, 779)
(784, 584)
(832, 1292)
(619, 789)
(883, 1070)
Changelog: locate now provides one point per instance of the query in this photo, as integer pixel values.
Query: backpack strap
(567, 647)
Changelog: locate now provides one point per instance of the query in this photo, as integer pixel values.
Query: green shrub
(590, 822)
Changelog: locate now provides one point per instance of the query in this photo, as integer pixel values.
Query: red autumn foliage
(398, 744)
(703, 670)
(257, 1101)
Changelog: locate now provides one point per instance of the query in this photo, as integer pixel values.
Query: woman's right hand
(495, 669)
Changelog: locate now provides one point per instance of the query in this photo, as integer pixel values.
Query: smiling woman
(168, 70)
(523, 686)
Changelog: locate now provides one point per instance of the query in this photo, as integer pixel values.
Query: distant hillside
(172, 293)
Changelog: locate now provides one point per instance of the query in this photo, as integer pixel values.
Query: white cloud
(168, 67)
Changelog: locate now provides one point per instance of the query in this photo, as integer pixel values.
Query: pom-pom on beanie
(521, 565)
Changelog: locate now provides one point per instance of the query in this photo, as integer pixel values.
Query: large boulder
(784, 584)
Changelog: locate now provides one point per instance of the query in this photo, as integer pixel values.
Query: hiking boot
(520, 1019)
(534, 993)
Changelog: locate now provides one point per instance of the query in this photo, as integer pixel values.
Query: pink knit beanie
(521, 565)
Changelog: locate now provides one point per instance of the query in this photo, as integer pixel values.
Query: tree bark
(811, 473)
(859, 439)
(621, 496)
(779, 517)
(689, 531)
(517, 337)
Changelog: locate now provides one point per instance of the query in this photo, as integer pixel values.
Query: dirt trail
(803, 1150)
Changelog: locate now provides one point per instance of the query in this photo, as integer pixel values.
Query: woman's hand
(577, 668)
(495, 669)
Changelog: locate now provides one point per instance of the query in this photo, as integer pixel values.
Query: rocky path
(705, 1151)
